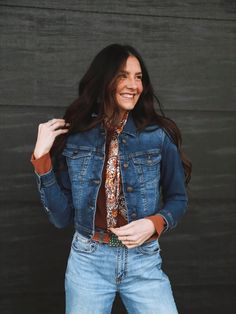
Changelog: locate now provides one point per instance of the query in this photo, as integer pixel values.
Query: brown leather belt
(112, 239)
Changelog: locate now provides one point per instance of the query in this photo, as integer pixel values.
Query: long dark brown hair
(97, 93)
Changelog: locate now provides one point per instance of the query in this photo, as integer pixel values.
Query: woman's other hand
(135, 233)
(47, 132)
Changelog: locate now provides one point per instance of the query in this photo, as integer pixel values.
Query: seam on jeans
(118, 277)
(126, 262)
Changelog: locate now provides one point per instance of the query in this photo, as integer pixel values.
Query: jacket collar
(130, 127)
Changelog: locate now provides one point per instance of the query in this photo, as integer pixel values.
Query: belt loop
(101, 236)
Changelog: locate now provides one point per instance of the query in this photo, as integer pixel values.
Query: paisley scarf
(113, 191)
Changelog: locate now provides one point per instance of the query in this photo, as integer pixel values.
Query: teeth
(127, 95)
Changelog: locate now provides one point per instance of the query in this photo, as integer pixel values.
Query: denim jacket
(150, 167)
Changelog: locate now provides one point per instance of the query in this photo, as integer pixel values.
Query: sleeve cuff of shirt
(43, 164)
(159, 223)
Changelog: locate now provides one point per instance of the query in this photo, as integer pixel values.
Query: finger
(129, 243)
(131, 246)
(41, 125)
(57, 125)
(56, 119)
(127, 227)
(128, 238)
(53, 121)
(123, 228)
(60, 131)
(121, 233)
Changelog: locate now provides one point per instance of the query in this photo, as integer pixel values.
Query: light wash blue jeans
(96, 271)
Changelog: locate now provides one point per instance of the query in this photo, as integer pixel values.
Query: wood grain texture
(202, 9)
(189, 49)
(44, 53)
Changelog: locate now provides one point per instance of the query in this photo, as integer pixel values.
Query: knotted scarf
(115, 202)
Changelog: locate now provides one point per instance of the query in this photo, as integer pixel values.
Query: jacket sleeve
(172, 183)
(54, 188)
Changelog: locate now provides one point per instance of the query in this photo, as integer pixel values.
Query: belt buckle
(114, 241)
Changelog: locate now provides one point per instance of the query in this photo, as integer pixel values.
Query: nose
(131, 83)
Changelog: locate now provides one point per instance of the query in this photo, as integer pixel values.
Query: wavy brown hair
(97, 95)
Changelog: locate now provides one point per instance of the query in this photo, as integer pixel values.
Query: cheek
(119, 87)
(140, 88)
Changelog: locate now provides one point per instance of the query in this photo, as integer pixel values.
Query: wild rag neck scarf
(114, 196)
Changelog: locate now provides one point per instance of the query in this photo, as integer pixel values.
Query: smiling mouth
(127, 96)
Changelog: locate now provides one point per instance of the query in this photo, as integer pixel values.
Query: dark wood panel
(189, 49)
(206, 299)
(208, 138)
(44, 53)
(202, 246)
(212, 9)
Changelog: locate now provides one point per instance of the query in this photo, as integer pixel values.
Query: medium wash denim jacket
(149, 163)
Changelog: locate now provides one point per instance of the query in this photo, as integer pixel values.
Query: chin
(127, 106)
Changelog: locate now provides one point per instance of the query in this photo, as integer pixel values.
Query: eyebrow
(126, 72)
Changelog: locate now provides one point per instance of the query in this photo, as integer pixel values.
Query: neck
(114, 124)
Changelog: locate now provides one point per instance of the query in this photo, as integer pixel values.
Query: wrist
(152, 226)
(38, 154)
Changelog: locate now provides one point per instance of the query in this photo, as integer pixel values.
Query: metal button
(124, 141)
(133, 215)
(129, 189)
(126, 165)
(96, 181)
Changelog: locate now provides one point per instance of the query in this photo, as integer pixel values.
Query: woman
(120, 175)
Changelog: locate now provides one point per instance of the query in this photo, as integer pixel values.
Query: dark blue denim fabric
(150, 167)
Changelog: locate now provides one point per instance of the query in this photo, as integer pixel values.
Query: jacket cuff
(45, 180)
(159, 223)
(43, 164)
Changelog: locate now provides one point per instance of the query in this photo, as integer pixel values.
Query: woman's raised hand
(47, 132)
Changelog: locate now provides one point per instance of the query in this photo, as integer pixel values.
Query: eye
(122, 75)
(139, 77)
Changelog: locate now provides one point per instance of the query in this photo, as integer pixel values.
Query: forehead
(132, 64)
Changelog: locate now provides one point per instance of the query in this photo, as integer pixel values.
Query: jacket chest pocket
(78, 160)
(147, 164)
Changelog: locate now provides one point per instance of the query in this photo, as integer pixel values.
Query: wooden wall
(189, 48)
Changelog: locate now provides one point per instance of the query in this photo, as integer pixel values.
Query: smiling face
(129, 86)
